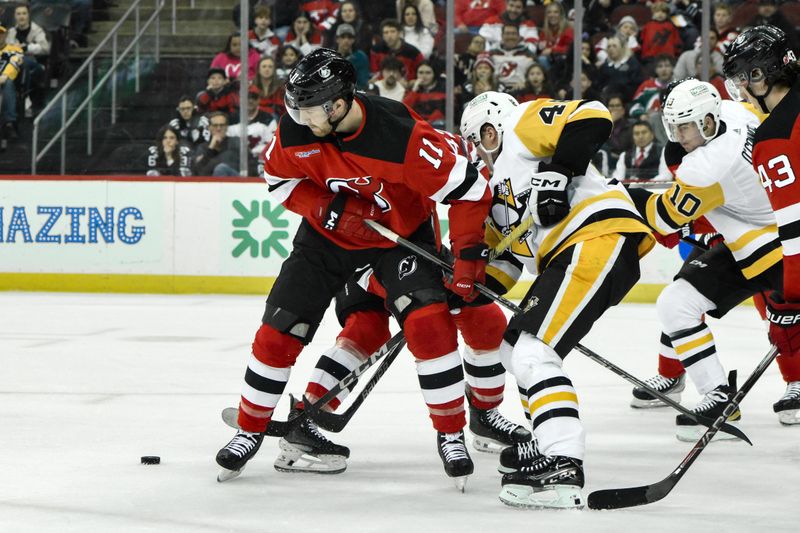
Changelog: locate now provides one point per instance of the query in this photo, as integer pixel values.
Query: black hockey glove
(552, 202)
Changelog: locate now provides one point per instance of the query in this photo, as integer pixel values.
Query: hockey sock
(669, 364)
(442, 384)
(551, 398)
(485, 376)
(334, 364)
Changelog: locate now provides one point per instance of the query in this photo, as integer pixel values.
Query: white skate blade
(460, 482)
(487, 445)
(693, 433)
(550, 497)
(636, 403)
(294, 459)
(226, 475)
(789, 417)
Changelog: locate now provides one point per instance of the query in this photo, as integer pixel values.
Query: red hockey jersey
(394, 160)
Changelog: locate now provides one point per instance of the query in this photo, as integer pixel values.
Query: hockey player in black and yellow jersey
(584, 246)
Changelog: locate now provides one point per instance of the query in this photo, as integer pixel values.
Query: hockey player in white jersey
(584, 245)
(715, 179)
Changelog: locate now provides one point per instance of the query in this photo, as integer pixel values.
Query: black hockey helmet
(757, 54)
(319, 78)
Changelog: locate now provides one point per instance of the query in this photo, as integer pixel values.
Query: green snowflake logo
(247, 216)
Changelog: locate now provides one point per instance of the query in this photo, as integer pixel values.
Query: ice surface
(89, 383)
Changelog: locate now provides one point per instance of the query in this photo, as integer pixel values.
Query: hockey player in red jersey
(761, 68)
(337, 159)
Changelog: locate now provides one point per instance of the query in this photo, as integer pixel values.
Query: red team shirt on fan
(776, 158)
(394, 160)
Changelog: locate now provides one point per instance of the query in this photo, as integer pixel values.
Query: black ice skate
(305, 449)
(519, 456)
(670, 387)
(552, 482)
(711, 406)
(234, 456)
(788, 407)
(492, 431)
(455, 457)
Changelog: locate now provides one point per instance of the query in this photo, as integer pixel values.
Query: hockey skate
(305, 449)
(670, 387)
(492, 432)
(551, 482)
(234, 456)
(455, 457)
(788, 407)
(711, 406)
(521, 455)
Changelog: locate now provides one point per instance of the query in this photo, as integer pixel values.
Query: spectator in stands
(685, 67)
(427, 13)
(588, 91)
(627, 29)
(392, 83)
(715, 78)
(261, 128)
(345, 39)
(598, 16)
(168, 157)
(562, 78)
(304, 35)
(321, 13)
(427, 95)
(723, 23)
(219, 95)
(261, 37)
(641, 161)
(414, 33)
(621, 72)
(191, 127)
(465, 61)
(11, 61)
(512, 58)
(647, 98)
(350, 13)
(492, 29)
(768, 14)
(471, 14)
(288, 56)
(556, 36)
(33, 40)
(620, 138)
(392, 44)
(536, 85)
(283, 15)
(659, 35)
(80, 20)
(230, 60)
(220, 155)
(269, 88)
(481, 79)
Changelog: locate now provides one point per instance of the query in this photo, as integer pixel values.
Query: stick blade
(324, 419)
(629, 497)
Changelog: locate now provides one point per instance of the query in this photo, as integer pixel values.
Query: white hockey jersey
(717, 180)
(530, 136)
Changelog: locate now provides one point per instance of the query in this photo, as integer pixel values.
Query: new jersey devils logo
(363, 186)
(407, 266)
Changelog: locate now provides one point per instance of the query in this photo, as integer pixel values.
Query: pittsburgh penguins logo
(407, 266)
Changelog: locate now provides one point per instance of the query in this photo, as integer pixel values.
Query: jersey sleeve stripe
(749, 237)
(589, 109)
(663, 219)
(281, 188)
(789, 231)
(463, 183)
(791, 246)
(788, 214)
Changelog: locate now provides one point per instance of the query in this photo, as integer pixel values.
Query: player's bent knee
(367, 330)
(531, 352)
(274, 348)
(681, 306)
(482, 327)
(430, 331)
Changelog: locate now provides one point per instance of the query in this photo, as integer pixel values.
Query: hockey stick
(705, 421)
(632, 496)
(337, 421)
(279, 428)
(509, 239)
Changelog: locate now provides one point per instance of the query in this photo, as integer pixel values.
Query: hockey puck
(151, 460)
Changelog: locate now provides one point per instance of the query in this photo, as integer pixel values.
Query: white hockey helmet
(690, 101)
(490, 107)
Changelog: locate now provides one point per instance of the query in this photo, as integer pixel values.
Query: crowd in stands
(631, 50)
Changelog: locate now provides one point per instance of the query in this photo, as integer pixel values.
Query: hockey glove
(469, 267)
(345, 214)
(552, 203)
(784, 324)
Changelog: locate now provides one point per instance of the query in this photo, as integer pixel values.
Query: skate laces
(527, 450)
(242, 443)
(499, 422)
(542, 462)
(659, 382)
(792, 391)
(453, 447)
(710, 400)
(312, 430)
